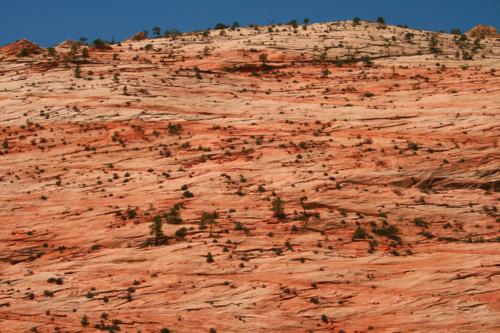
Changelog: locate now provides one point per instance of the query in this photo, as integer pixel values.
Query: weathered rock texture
(388, 167)
(481, 31)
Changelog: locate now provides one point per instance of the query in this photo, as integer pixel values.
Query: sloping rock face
(66, 45)
(21, 48)
(481, 31)
(384, 155)
(141, 35)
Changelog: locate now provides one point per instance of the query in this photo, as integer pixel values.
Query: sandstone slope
(382, 144)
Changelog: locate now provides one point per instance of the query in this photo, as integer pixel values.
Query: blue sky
(48, 22)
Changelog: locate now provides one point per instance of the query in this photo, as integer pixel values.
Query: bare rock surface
(381, 141)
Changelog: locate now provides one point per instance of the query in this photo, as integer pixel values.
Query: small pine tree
(73, 52)
(277, 206)
(433, 45)
(356, 21)
(51, 52)
(263, 58)
(210, 219)
(174, 216)
(78, 71)
(325, 73)
(156, 31)
(85, 321)
(156, 229)
(294, 24)
(380, 20)
(85, 53)
(83, 40)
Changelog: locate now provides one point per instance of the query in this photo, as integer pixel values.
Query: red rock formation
(481, 31)
(22, 47)
(141, 35)
(388, 170)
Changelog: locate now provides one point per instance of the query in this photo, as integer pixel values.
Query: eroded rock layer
(382, 142)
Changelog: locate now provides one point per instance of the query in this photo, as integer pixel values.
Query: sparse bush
(131, 213)
(413, 146)
(24, 53)
(58, 280)
(181, 233)
(238, 226)
(427, 234)
(99, 43)
(51, 52)
(174, 129)
(389, 231)
(367, 61)
(174, 216)
(187, 194)
(359, 233)
(325, 73)
(263, 58)
(409, 36)
(220, 26)
(85, 321)
(421, 222)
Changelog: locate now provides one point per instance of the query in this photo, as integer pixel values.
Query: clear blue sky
(48, 22)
